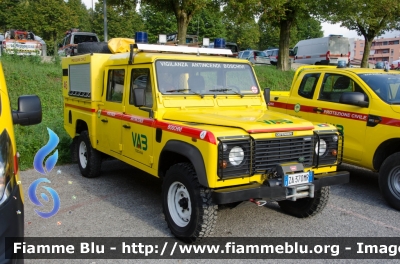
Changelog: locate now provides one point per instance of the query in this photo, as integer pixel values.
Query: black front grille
(269, 152)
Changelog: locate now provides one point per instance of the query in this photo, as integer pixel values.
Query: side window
(334, 85)
(246, 54)
(141, 79)
(115, 85)
(308, 84)
(66, 41)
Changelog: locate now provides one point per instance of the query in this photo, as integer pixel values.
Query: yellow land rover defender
(200, 122)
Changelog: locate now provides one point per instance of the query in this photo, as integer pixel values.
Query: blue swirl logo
(49, 165)
(35, 200)
(44, 151)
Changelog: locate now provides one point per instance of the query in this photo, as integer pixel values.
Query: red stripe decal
(81, 108)
(174, 128)
(332, 112)
(128, 118)
(390, 121)
(188, 131)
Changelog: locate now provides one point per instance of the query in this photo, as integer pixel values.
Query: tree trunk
(367, 49)
(183, 22)
(284, 38)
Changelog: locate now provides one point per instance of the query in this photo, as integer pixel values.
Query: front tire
(89, 159)
(389, 180)
(307, 207)
(188, 207)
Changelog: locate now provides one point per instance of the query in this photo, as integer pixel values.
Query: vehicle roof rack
(181, 49)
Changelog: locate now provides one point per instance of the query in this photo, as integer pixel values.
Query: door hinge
(120, 147)
(151, 159)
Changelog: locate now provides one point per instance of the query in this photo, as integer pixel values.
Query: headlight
(236, 156)
(321, 147)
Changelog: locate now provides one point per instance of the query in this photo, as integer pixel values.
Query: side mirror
(267, 95)
(29, 111)
(139, 98)
(353, 98)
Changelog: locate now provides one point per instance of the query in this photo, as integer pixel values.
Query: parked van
(323, 51)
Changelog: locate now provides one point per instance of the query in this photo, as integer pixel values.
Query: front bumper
(273, 193)
(12, 224)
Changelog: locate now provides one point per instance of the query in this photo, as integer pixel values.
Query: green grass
(27, 75)
(270, 77)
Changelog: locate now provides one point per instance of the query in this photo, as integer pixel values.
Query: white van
(323, 51)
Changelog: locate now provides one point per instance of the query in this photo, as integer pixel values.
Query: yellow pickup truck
(199, 122)
(364, 104)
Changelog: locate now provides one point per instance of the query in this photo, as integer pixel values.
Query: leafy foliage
(122, 19)
(369, 18)
(184, 10)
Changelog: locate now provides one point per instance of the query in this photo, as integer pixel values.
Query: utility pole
(105, 21)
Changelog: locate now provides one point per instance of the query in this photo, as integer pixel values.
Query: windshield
(386, 86)
(194, 77)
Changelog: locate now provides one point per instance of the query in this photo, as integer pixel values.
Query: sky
(329, 29)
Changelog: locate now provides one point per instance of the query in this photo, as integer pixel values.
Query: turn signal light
(223, 164)
(334, 152)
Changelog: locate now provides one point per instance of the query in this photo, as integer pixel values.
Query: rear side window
(115, 86)
(308, 84)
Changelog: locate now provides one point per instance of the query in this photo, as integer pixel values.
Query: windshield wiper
(226, 90)
(177, 90)
(184, 90)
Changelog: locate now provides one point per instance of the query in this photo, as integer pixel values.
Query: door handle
(126, 126)
(319, 110)
(104, 120)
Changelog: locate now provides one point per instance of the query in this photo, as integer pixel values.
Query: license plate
(298, 178)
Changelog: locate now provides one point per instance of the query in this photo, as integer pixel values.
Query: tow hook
(259, 202)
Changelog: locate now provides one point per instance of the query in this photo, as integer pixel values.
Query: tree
(7, 11)
(84, 19)
(306, 29)
(184, 10)
(243, 28)
(45, 18)
(281, 13)
(122, 19)
(369, 18)
(209, 23)
(157, 22)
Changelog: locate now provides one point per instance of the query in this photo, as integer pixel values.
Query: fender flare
(193, 154)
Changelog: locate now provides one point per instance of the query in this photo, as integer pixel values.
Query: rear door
(301, 102)
(110, 114)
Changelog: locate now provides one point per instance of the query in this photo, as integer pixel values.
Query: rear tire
(188, 207)
(89, 159)
(307, 207)
(389, 180)
(93, 47)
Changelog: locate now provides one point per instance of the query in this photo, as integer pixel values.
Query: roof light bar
(182, 49)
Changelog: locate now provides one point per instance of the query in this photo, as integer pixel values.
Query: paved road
(125, 202)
